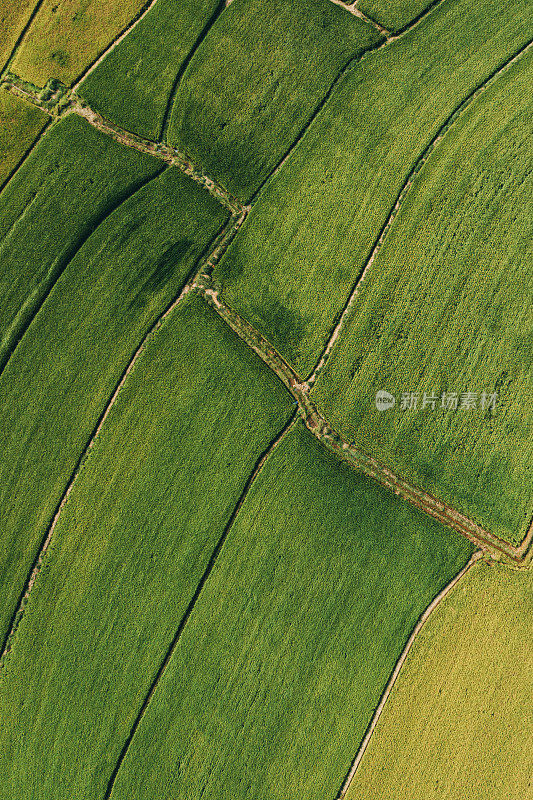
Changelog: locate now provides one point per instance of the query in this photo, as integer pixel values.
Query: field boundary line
(352, 9)
(21, 36)
(70, 103)
(351, 64)
(140, 15)
(221, 6)
(397, 669)
(402, 196)
(35, 300)
(198, 591)
(356, 457)
(207, 259)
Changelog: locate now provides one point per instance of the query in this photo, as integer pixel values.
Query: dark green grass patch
(70, 182)
(255, 81)
(136, 534)
(394, 14)
(20, 124)
(59, 379)
(308, 236)
(445, 308)
(133, 83)
(291, 643)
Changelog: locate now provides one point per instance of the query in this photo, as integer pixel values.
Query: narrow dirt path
(357, 458)
(399, 664)
(215, 252)
(404, 191)
(352, 8)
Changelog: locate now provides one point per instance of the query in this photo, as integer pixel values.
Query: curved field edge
(458, 721)
(467, 247)
(291, 280)
(105, 612)
(293, 638)
(113, 293)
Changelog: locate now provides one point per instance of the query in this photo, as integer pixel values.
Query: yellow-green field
(458, 722)
(20, 124)
(67, 35)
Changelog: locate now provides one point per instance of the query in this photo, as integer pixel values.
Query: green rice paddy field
(72, 180)
(199, 599)
(314, 594)
(58, 381)
(133, 84)
(309, 234)
(151, 502)
(455, 268)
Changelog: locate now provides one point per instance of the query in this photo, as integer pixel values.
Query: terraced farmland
(311, 601)
(265, 400)
(466, 232)
(59, 380)
(133, 84)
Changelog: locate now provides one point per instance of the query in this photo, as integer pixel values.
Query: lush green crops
(67, 36)
(458, 722)
(131, 545)
(133, 84)
(61, 375)
(393, 14)
(291, 268)
(455, 320)
(237, 111)
(71, 181)
(20, 124)
(292, 640)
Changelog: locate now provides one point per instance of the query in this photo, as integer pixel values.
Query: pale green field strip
(14, 16)
(71, 181)
(20, 125)
(59, 380)
(67, 35)
(139, 528)
(236, 115)
(133, 84)
(395, 15)
(308, 236)
(442, 309)
(284, 657)
(459, 721)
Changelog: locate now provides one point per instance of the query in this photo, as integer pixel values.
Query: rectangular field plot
(135, 536)
(57, 383)
(133, 84)
(67, 35)
(277, 672)
(445, 310)
(20, 125)
(306, 240)
(458, 721)
(239, 107)
(72, 180)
